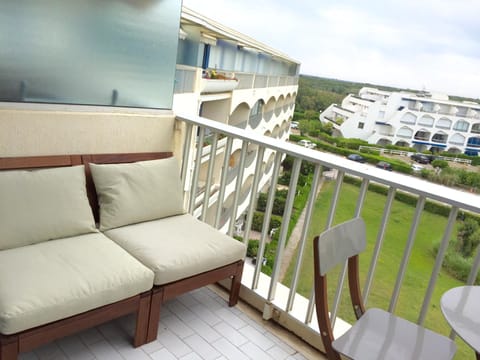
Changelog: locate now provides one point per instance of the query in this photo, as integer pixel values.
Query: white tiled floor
(198, 325)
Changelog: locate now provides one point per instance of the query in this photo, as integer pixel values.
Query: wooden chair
(377, 334)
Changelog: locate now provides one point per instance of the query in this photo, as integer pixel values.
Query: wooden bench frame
(146, 306)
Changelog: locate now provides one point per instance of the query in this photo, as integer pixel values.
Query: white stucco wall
(44, 129)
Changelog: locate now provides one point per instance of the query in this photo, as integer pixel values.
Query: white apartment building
(228, 77)
(425, 121)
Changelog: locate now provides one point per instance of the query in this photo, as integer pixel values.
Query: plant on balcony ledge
(213, 74)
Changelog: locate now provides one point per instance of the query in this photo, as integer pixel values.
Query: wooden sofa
(147, 304)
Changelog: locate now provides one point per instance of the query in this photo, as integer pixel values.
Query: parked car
(384, 165)
(356, 157)
(294, 125)
(307, 144)
(416, 167)
(420, 158)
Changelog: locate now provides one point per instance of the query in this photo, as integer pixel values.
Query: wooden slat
(32, 162)
(127, 157)
(31, 339)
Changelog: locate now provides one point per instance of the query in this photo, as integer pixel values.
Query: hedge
(409, 199)
(257, 222)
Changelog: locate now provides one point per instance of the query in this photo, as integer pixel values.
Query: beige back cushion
(137, 192)
(41, 205)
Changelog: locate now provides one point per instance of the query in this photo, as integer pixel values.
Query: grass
(419, 268)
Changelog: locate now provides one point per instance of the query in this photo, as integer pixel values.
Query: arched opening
(402, 143)
(440, 137)
(474, 142)
(239, 117)
(422, 135)
(269, 109)
(458, 139)
(279, 105)
(476, 128)
(384, 142)
(426, 120)
(408, 118)
(444, 123)
(256, 113)
(461, 125)
(405, 132)
(454, 150)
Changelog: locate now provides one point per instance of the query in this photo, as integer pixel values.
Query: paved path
(297, 234)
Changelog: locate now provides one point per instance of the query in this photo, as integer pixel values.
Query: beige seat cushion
(136, 192)
(53, 280)
(178, 247)
(41, 205)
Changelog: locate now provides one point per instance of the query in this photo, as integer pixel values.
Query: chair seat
(178, 247)
(380, 335)
(56, 279)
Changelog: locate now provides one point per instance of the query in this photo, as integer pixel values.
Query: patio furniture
(461, 308)
(59, 274)
(377, 334)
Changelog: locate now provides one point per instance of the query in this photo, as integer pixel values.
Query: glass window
(94, 52)
(461, 126)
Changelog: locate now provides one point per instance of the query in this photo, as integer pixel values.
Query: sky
(431, 45)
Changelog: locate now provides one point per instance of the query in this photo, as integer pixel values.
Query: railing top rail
(461, 199)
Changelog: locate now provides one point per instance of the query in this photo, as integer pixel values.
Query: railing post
(284, 228)
(406, 254)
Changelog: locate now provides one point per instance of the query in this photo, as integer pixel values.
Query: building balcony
(285, 298)
(216, 85)
(201, 325)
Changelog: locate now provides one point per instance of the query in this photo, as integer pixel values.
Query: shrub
(252, 248)
(257, 222)
(468, 237)
(455, 264)
(278, 206)
(284, 179)
(442, 164)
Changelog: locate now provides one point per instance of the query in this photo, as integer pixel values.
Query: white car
(307, 144)
(417, 168)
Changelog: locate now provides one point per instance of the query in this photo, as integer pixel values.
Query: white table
(461, 308)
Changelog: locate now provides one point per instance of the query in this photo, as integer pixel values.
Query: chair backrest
(340, 242)
(332, 247)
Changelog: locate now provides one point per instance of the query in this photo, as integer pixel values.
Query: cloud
(405, 43)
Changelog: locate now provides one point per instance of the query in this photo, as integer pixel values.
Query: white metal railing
(267, 292)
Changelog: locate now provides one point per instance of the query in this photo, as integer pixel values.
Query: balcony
(200, 325)
(284, 299)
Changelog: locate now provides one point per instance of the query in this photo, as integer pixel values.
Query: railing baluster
(438, 264)
(330, 218)
(406, 253)
(303, 239)
(378, 243)
(223, 181)
(186, 155)
(266, 219)
(238, 188)
(208, 185)
(292, 189)
(253, 195)
(196, 170)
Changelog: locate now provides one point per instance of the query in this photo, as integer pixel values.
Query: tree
(468, 237)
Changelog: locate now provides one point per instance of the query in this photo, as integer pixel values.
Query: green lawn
(419, 267)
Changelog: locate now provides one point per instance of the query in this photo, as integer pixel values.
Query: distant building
(231, 78)
(425, 121)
